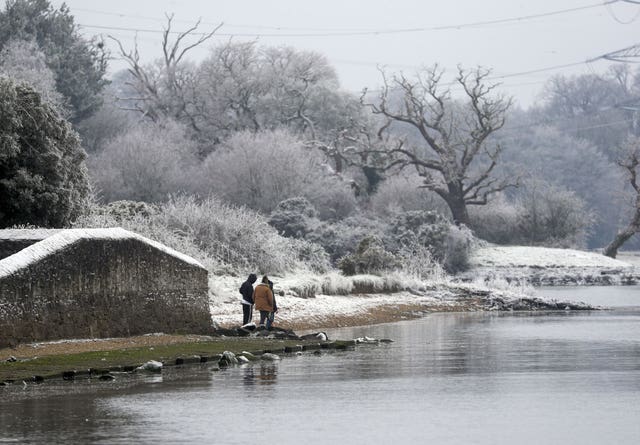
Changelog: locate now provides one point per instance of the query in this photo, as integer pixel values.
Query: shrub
(402, 193)
(294, 217)
(496, 222)
(223, 237)
(340, 238)
(553, 216)
(418, 261)
(420, 228)
(458, 245)
(370, 257)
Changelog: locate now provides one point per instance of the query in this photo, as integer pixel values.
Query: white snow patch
(42, 249)
(542, 257)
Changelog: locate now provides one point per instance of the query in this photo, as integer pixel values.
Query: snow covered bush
(458, 245)
(340, 238)
(370, 257)
(236, 235)
(312, 255)
(294, 217)
(496, 222)
(402, 193)
(553, 216)
(225, 238)
(149, 226)
(336, 284)
(420, 228)
(418, 261)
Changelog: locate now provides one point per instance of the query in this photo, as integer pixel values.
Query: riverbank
(95, 357)
(105, 358)
(333, 311)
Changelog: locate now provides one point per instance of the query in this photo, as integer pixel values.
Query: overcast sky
(358, 35)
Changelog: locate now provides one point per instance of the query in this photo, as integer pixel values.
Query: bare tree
(629, 162)
(451, 152)
(166, 89)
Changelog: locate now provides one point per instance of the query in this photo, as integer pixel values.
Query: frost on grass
(546, 266)
(541, 257)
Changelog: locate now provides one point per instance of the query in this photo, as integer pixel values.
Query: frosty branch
(165, 90)
(451, 153)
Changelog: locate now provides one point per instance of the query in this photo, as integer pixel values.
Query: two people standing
(263, 297)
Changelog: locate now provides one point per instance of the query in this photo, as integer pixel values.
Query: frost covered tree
(261, 169)
(594, 107)
(43, 178)
(166, 89)
(79, 65)
(147, 163)
(629, 162)
(538, 152)
(452, 152)
(24, 61)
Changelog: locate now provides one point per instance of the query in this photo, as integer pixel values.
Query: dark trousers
(264, 315)
(247, 312)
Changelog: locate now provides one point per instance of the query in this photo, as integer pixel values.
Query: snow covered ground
(541, 257)
(541, 265)
(498, 274)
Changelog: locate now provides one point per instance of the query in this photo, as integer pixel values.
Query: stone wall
(86, 284)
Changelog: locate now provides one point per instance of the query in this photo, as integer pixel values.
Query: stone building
(85, 283)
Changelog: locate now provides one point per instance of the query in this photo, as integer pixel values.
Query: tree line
(259, 125)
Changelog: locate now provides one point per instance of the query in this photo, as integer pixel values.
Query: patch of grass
(53, 365)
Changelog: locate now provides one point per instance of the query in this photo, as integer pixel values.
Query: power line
(375, 32)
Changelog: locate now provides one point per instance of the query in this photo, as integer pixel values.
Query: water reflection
(502, 376)
(260, 374)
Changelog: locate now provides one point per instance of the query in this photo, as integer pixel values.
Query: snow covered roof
(64, 238)
(26, 234)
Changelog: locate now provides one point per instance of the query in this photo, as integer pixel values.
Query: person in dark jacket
(247, 298)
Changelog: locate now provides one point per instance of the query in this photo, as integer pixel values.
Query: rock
(150, 366)
(228, 359)
(12, 359)
(270, 357)
(321, 336)
(242, 332)
(68, 375)
(366, 340)
(248, 355)
(243, 359)
(106, 377)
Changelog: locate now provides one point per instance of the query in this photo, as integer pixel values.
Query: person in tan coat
(263, 299)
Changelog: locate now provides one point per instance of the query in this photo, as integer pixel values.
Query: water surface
(509, 378)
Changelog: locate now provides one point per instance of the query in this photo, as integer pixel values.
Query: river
(463, 378)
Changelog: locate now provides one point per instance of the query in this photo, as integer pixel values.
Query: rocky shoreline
(537, 276)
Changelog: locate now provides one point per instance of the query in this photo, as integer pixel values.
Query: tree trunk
(457, 205)
(621, 237)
